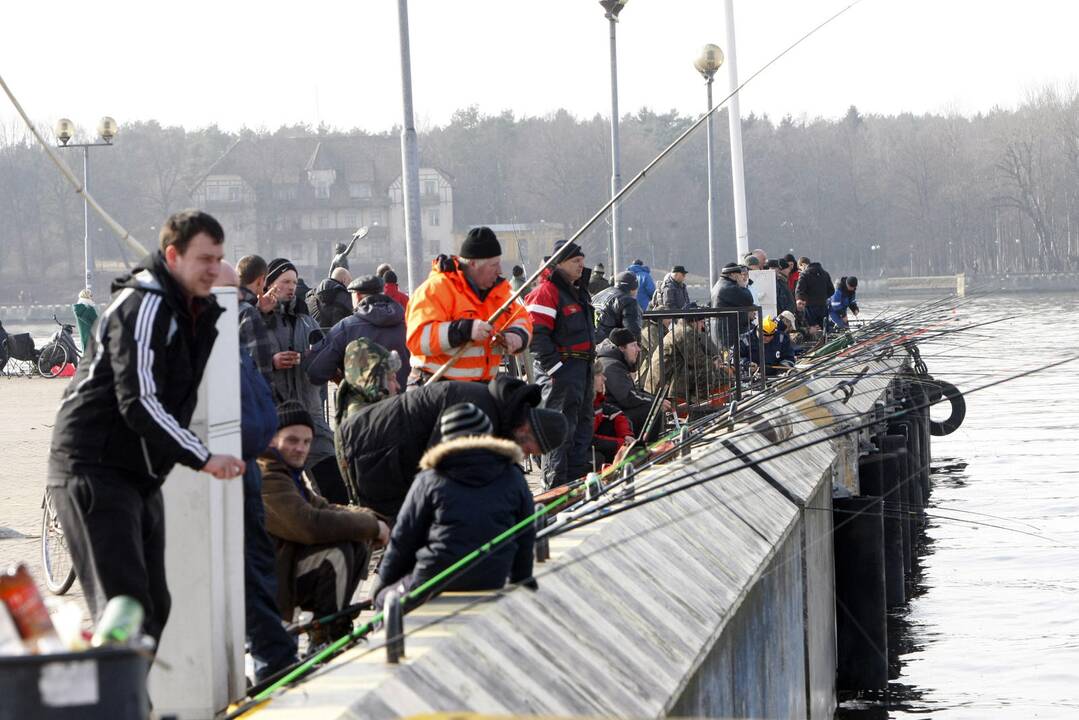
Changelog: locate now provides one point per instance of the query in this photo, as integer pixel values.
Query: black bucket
(99, 684)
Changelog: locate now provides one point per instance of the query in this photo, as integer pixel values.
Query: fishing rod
(665, 490)
(556, 257)
(569, 562)
(80, 189)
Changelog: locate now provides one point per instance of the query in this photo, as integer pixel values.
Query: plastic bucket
(101, 684)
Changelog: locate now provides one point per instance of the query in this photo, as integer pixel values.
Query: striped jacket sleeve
(542, 305)
(137, 350)
(430, 327)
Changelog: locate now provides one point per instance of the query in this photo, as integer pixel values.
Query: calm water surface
(993, 628)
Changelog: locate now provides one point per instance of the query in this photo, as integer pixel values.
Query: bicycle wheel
(52, 360)
(55, 557)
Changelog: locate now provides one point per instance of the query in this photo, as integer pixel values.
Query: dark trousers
(327, 577)
(115, 530)
(816, 315)
(570, 392)
(272, 648)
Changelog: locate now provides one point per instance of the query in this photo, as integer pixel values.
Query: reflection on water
(992, 625)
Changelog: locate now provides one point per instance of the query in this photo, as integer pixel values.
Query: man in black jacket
(812, 292)
(471, 489)
(618, 356)
(617, 307)
(563, 348)
(330, 302)
(730, 293)
(382, 443)
(122, 423)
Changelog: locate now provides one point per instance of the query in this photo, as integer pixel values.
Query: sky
(239, 63)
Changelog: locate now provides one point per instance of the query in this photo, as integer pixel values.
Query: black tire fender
(950, 393)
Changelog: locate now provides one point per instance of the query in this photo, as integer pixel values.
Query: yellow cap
(769, 325)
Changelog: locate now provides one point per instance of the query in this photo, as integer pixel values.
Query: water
(993, 627)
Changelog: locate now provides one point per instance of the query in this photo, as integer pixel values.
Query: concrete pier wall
(716, 601)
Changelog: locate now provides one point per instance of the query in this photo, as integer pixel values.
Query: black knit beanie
(573, 251)
(622, 337)
(463, 419)
(626, 280)
(549, 427)
(277, 268)
(293, 413)
(480, 244)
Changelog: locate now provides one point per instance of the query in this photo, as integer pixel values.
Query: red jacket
(792, 279)
(604, 412)
(395, 294)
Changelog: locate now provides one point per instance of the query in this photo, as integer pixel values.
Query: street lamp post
(410, 159)
(612, 8)
(106, 130)
(734, 121)
(709, 61)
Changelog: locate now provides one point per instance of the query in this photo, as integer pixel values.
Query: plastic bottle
(10, 640)
(19, 593)
(120, 622)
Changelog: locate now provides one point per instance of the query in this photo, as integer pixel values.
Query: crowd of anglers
(572, 373)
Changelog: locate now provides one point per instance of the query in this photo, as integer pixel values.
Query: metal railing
(699, 352)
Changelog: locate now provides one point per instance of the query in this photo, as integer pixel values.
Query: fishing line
(629, 187)
(116, 227)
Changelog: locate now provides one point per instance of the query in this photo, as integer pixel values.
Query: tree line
(875, 195)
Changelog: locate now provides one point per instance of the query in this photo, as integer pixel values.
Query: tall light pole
(710, 59)
(734, 118)
(410, 159)
(612, 8)
(106, 130)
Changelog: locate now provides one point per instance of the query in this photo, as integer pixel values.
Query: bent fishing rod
(556, 257)
(80, 189)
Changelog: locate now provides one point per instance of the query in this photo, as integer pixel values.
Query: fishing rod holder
(393, 620)
(684, 446)
(542, 544)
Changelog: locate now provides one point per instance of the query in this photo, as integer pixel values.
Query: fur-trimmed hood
(447, 451)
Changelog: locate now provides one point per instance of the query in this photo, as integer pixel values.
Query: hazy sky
(241, 63)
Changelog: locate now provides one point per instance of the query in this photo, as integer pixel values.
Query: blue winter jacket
(777, 353)
(841, 300)
(258, 416)
(646, 286)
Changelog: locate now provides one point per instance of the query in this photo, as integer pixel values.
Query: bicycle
(58, 352)
(55, 555)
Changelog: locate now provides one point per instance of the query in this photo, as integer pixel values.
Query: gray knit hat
(549, 427)
(463, 419)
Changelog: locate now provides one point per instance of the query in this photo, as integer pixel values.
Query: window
(284, 192)
(322, 191)
(430, 187)
(359, 190)
(224, 191)
(376, 216)
(432, 217)
(323, 220)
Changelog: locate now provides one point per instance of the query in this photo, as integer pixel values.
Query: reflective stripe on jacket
(435, 329)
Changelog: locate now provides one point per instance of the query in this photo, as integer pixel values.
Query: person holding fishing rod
(564, 347)
(449, 308)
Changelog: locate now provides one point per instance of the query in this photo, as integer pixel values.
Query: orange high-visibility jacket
(445, 297)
